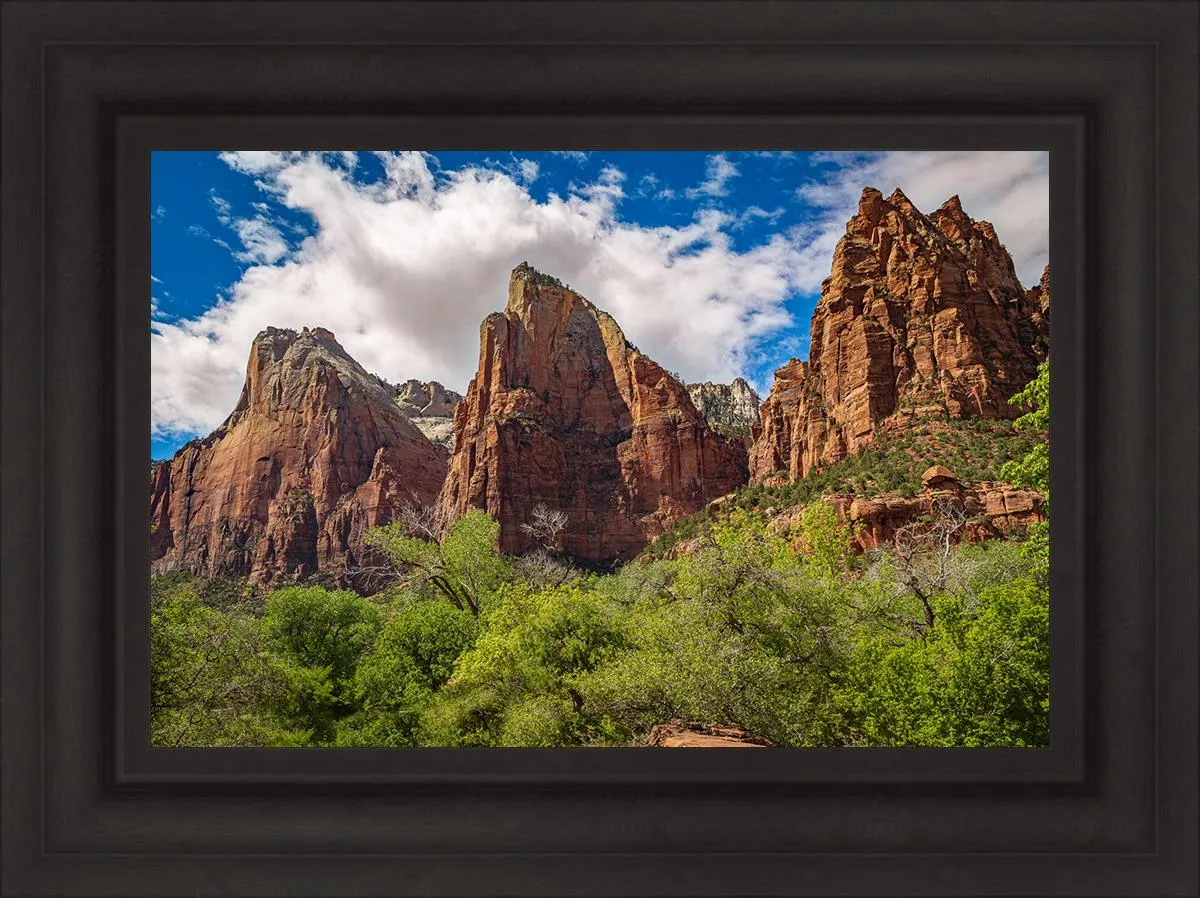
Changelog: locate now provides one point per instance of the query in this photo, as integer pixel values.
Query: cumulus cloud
(403, 268)
(1009, 189)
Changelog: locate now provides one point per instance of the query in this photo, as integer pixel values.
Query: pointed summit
(953, 206)
(528, 274)
(315, 453)
(900, 200)
(921, 316)
(527, 285)
(871, 198)
(287, 368)
(563, 411)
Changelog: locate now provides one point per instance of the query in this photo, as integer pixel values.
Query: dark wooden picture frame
(1111, 808)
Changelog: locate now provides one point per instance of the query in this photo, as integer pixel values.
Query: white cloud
(221, 205)
(262, 241)
(577, 156)
(200, 231)
(757, 212)
(528, 170)
(647, 184)
(777, 155)
(1009, 189)
(403, 270)
(719, 171)
(257, 162)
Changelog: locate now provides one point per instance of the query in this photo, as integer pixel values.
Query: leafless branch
(923, 552)
(546, 527)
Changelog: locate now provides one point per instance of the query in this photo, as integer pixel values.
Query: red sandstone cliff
(315, 453)
(565, 412)
(922, 316)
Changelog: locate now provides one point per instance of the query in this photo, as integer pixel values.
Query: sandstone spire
(564, 411)
(922, 315)
(315, 452)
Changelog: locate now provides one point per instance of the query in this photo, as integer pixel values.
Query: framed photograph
(523, 378)
(577, 544)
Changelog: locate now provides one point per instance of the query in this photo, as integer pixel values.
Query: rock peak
(527, 273)
(870, 203)
(291, 335)
(921, 316)
(315, 453)
(275, 341)
(953, 206)
(526, 287)
(730, 408)
(900, 200)
(564, 412)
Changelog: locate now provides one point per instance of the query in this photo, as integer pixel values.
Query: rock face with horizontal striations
(564, 411)
(922, 316)
(728, 408)
(315, 453)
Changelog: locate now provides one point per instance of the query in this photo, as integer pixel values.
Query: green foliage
(809, 647)
(827, 541)
(1033, 469)
(513, 686)
(317, 638)
(980, 677)
(413, 657)
(462, 566)
(212, 681)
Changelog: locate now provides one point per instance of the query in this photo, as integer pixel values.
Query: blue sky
(711, 262)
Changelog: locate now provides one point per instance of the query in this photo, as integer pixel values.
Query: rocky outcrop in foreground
(728, 408)
(989, 510)
(683, 734)
(922, 317)
(316, 452)
(564, 412)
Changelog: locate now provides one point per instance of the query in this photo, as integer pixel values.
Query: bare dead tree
(542, 569)
(546, 526)
(544, 564)
(923, 553)
(428, 522)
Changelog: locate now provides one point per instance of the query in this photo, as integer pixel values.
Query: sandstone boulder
(991, 510)
(936, 475)
(683, 734)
